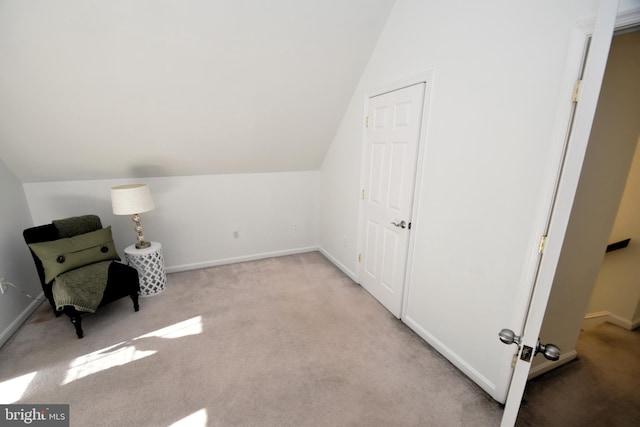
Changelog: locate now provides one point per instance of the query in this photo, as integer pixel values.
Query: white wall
(488, 152)
(220, 86)
(481, 54)
(617, 291)
(195, 216)
(16, 264)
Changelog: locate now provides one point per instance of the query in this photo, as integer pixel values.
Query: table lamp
(133, 199)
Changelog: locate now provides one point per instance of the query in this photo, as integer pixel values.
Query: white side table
(150, 265)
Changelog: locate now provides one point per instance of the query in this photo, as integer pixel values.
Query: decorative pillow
(59, 256)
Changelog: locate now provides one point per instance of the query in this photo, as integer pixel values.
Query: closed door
(390, 162)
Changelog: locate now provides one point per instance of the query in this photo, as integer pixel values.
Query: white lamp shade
(131, 199)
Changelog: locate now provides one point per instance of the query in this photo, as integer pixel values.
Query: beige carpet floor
(287, 341)
(601, 388)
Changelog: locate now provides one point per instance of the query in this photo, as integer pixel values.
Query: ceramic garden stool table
(150, 265)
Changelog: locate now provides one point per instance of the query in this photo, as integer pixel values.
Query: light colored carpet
(287, 341)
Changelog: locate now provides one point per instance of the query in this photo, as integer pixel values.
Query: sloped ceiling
(93, 89)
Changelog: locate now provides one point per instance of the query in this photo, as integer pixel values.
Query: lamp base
(143, 245)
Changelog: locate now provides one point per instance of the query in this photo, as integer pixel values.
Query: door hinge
(366, 122)
(362, 194)
(576, 91)
(542, 245)
(359, 257)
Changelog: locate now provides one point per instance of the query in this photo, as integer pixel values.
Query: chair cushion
(59, 256)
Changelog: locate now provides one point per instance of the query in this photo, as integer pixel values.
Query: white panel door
(390, 155)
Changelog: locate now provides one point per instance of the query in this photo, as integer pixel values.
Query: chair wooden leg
(53, 307)
(77, 322)
(134, 297)
(76, 319)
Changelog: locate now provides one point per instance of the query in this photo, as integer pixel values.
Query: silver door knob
(401, 224)
(507, 336)
(550, 351)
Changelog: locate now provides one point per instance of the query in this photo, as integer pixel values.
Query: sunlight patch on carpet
(12, 390)
(115, 355)
(188, 327)
(197, 419)
(126, 352)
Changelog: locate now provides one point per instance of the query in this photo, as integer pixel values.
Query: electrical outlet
(236, 234)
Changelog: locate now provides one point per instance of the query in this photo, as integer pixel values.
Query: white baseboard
(596, 315)
(18, 321)
(548, 365)
(592, 320)
(606, 316)
(456, 360)
(225, 261)
(338, 264)
(617, 320)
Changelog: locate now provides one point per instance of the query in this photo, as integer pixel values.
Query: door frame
(568, 166)
(427, 78)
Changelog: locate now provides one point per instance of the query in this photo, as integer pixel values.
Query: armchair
(76, 262)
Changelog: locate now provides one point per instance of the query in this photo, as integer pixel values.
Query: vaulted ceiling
(94, 89)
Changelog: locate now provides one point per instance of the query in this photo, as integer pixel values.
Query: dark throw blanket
(82, 288)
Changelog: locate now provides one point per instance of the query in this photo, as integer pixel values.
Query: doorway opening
(616, 295)
(565, 206)
(603, 210)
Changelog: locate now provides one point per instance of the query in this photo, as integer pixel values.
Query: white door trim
(423, 77)
(568, 167)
